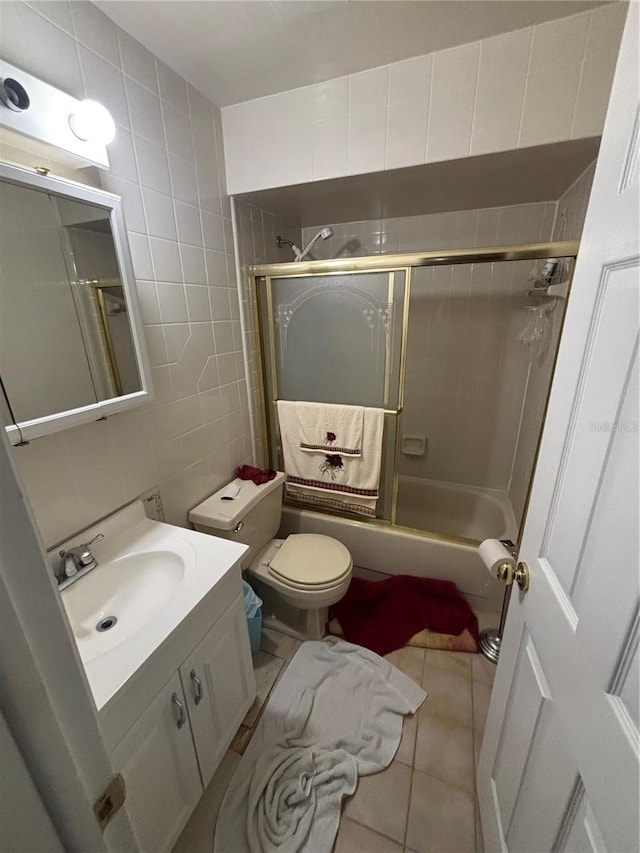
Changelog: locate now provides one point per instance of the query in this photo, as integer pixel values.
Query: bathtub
(451, 509)
(378, 550)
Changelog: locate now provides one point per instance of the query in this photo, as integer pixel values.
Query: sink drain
(106, 623)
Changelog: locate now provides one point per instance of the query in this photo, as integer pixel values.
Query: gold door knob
(505, 573)
(521, 576)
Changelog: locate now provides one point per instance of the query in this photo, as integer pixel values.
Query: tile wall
(469, 388)
(257, 232)
(167, 163)
(572, 208)
(542, 84)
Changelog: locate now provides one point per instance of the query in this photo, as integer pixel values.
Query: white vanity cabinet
(158, 763)
(170, 753)
(219, 687)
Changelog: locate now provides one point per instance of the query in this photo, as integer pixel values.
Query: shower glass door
(336, 338)
(482, 342)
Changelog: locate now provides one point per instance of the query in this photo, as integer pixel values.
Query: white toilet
(297, 578)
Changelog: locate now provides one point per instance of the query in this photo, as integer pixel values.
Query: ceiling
(236, 50)
(524, 176)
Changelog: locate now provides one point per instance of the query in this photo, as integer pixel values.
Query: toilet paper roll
(493, 553)
(232, 491)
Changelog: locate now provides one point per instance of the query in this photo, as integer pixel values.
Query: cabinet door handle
(198, 687)
(177, 704)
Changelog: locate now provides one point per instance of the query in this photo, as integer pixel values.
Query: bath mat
(384, 615)
(335, 715)
(426, 639)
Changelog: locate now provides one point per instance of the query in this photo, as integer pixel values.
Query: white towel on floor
(336, 714)
(331, 479)
(330, 428)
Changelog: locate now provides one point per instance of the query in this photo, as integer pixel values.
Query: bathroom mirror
(71, 342)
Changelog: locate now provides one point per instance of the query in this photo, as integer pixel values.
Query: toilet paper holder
(490, 639)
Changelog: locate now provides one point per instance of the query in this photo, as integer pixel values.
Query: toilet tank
(253, 517)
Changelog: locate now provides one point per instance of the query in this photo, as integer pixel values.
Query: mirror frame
(27, 430)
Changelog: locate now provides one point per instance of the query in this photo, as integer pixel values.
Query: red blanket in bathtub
(383, 615)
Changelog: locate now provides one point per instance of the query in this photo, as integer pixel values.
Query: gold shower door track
(261, 297)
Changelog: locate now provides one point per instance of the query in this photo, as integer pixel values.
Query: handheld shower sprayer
(324, 233)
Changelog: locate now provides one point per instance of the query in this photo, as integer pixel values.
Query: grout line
(525, 88)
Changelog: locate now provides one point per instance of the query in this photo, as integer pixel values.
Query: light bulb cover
(92, 122)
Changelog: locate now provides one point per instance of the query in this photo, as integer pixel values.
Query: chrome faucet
(76, 562)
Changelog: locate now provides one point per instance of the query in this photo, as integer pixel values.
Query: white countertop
(208, 559)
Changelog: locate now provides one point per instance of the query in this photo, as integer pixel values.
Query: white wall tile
(173, 302)
(177, 132)
(193, 265)
(59, 13)
(96, 31)
(501, 80)
(444, 85)
(450, 121)
(330, 139)
(140, 255)
(160, 217)
(153, 165)
(410, 80)
(188, 222)
(39, 47)
(368, 90)
(557, 51)
(166, 260)
(122, 158)
(603, 43)
(406, 133)
(367, 141)
(131, 197)
(453, 90)
(183, 180)
(330, 100)
(144, 107)
(173, 88)
(138, 62)
(104, 82)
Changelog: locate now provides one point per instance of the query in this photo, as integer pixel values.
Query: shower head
(323, 234)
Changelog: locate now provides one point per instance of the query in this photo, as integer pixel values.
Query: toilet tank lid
(224, 515)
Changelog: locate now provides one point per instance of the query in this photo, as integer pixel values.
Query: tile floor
(424, 802)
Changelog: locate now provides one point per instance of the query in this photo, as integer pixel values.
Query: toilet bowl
(297, 578)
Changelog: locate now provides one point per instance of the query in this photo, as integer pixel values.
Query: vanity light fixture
(92, 122)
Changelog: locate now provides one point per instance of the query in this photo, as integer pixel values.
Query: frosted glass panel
(337, 338)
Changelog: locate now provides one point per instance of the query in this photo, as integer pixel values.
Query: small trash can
(253, 611)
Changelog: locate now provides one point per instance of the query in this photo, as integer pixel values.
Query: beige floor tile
(445, 751)
(381, 801)
(275, 643)
(482, 669)
(354, 838)
(441, 818)
(409, 660)
(266, 668)
(458, 662)
(449, 697)
(481, 697)
(197, 836)
(408, 740)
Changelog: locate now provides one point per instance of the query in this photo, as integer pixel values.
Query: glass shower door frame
(388, 263)
(262, 290)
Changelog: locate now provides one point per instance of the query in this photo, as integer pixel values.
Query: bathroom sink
(118, 598)
(150, 576)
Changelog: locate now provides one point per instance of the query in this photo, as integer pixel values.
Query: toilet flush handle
(238, 527)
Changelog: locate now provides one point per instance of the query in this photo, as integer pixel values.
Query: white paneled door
(559, 764)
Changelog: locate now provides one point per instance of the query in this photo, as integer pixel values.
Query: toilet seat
(310, 561)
